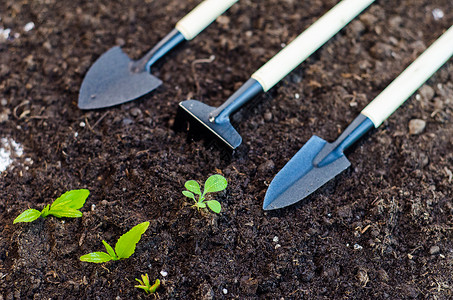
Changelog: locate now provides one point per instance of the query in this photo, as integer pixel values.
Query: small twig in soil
(24, 113)
(199, 61)
(100, 119)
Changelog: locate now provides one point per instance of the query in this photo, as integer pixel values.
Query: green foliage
(214, 183)
(67, 205)
(124, 248)
(146, 286)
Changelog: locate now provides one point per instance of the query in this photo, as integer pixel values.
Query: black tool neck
(249, 90)
(169, 42)
(353, 132)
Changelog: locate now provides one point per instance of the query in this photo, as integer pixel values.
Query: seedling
(67, 205)
(146, 286)
(124, 248)
(215, 183)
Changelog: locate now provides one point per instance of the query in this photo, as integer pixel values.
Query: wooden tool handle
(411, 79)
(201, 16)
(308, 42)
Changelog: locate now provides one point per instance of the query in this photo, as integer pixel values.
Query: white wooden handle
(308, 42)
(410, 80)
(201, 16)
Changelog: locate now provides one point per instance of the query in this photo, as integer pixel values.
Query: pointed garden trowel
(114, 78)
(318, 161)
(217, 119)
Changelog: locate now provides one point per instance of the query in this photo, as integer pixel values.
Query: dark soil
(380, 230)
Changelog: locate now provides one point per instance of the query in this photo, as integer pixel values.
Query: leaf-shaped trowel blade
(111, 81)
(300, 177)
(114, 78)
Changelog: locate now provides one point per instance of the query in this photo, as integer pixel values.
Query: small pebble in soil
(225, 291)
(4, 34)
(416, 126)
(82, 124)
(267, 166)
(438, 14)
(275, 239)
(296, 95)
(357, 247)
(127, 121)
(93, 207)
(426, 92)
(163, 273)
(267, 116)
(4, 116)
(434, 250)
(29, 26)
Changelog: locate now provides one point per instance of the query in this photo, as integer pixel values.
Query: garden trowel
(217, 119)
(318, 161)
(114, 78)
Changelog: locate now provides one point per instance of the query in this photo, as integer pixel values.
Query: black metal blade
(110, 81)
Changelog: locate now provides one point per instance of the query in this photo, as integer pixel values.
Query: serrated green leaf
(110, 250)
(189, 195)
(27, 216)
(215, 183)
(214, 205)
(125, 246)
(193, 186)
(74, 199)
(65, 213)
(96, 257)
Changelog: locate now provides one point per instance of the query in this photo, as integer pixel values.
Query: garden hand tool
(217, 120)
(317, 161)
(114, 78)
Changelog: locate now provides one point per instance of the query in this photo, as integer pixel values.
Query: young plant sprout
(124, 248)
(146, 286)
(215, 183)
(67, 205)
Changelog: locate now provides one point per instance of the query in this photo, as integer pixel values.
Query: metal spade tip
(222, 130)
(300, 177)
(110, 81)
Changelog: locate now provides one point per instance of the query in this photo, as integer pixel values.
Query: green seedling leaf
(193, 186)
(27, 216)
(45, 211)
(96, 257)
(200, 205)
(214, 205)
(66, 205)
(144, 281)
(146, 286)
(215, 183)
(189, 195)
(125, 246)
(110, 250)
(68, 213)
(74, 199)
